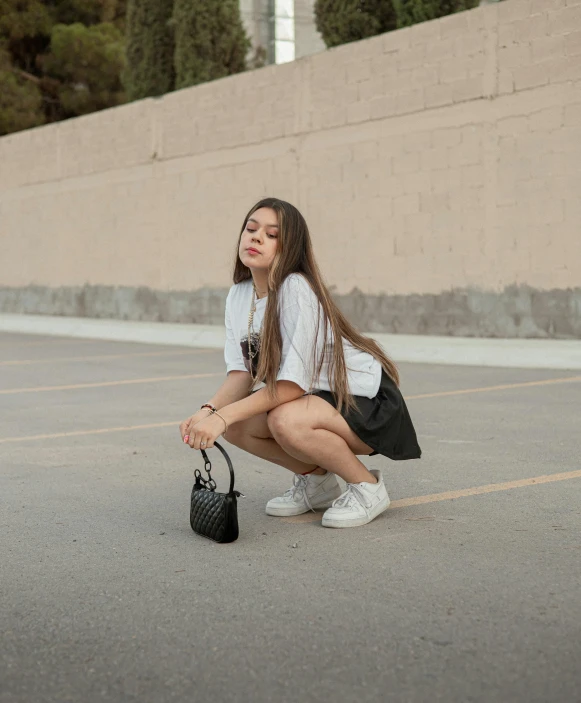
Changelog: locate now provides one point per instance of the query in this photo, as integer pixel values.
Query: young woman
(293, 395)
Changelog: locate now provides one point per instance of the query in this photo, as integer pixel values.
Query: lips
(251, 250)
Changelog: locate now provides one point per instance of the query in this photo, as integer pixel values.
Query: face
(259, 240)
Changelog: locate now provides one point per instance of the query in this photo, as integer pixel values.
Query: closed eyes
(271, 236)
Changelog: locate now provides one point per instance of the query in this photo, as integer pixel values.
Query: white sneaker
(360, 504)
(307, 493)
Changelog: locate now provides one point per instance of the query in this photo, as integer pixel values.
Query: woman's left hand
(204, 433)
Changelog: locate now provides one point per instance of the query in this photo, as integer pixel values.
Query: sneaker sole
(381, 507)
(288, 512)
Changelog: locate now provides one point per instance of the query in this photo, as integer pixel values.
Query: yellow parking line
(79, 433)
(452, 495)
(437, 394)
(103, 384)
(27, 362)
(490, 488)
(173, 378)
(46, 342)
(487, 389)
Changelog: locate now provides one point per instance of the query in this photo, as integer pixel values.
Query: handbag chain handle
(208, 468)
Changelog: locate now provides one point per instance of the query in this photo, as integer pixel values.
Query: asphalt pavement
(467, 590)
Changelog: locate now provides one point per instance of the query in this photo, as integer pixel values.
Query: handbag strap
(208, 463)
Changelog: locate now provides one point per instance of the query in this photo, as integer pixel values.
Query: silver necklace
(251, 354)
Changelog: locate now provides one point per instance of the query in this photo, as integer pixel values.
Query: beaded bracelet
(209, 405)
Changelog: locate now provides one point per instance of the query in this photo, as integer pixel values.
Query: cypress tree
(413, 11)
(210, 41)
(150, 49)
(343, 21)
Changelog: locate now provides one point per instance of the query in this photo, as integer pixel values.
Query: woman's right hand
(186, 425)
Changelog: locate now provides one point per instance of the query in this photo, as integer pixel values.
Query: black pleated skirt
(383, 422)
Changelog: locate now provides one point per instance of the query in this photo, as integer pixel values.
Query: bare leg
(254, 437)
(313, 432)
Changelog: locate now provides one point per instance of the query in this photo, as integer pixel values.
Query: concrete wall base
(515, 312)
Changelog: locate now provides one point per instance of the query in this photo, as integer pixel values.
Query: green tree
(20, 98)
(150, 49)
(343, 21)
(87, 63)
(25, 31)
(413, 11)
(60, 58)
(210, 41)
(90, 12)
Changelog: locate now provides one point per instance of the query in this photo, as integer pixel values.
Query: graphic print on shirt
(255, 343)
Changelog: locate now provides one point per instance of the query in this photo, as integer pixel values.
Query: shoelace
(299, 486)
(353, 494)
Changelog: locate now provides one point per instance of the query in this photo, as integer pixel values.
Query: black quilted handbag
(214, 515)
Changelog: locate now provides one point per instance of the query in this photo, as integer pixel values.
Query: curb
(455, 351)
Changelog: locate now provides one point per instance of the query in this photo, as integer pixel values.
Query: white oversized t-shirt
(298, 309)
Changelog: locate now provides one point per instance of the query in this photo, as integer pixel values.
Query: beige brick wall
(440, 157)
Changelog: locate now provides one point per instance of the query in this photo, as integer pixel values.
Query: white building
(283, 29)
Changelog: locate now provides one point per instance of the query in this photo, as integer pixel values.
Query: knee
(284, 425)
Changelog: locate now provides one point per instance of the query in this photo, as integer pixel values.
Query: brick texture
(439, 156)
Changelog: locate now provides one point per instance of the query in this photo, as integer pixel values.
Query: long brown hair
(295, 255)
